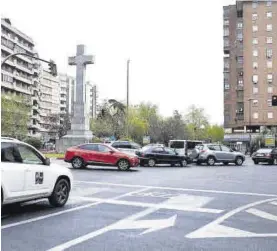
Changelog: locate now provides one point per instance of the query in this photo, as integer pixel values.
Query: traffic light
(274, 100)
(53, 68)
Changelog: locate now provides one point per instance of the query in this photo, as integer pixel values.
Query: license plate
(259, 155)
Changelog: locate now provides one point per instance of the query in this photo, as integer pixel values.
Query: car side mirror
(47, 162)
(111, 152)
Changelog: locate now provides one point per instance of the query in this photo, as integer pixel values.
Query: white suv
(28, 175)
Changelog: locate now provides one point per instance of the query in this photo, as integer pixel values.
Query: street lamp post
(52, 65)
(127, 107)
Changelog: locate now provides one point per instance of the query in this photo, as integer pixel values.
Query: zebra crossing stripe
(262, 214)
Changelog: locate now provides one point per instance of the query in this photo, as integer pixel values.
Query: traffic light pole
(24, 54)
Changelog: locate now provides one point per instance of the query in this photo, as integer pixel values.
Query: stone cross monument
(79, 132)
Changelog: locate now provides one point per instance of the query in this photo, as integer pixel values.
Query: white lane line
(262, 214)
(274, 203)
(177, 189)
(152, 205)
(68, 210)
(214, 226)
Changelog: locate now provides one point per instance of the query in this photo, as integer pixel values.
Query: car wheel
(77, 162)
(123, 165)
(183, 163)
(60, 193)
(211, 161)
(198, 163)
(172, 165)
(256, 162)
(239, 161)
(151, 162)
(271, 162)
(226, 163)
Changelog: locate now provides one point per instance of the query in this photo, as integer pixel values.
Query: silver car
(215, 153)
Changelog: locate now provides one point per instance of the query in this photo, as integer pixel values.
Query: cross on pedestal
(80, 120)
(80, 60)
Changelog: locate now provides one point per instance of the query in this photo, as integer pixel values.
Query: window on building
(255, 102)
(255, 28)
(226, 32)
(239, 37)
(226, 64)
(226, 22)
(255, 53)
(254, 16)
(269, 27)
(240, 60)
(255, 90)
(269, 40)
(269, 78)
(226, 86)
(268, 3)
(226, 42)
(270, 115)
(255, 115)
(270, 90)
(269, 53)
(255, 79)
(239, 25)
(254, 5)
(269, 14)
(269, 64)
(240, 82)
(255, 41)
(269, 102)
(255, 65)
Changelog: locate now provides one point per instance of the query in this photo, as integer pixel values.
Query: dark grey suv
(216, 153)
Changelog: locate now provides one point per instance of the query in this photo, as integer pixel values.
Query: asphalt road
(162, 208)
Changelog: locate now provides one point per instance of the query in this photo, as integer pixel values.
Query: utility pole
(127, 113)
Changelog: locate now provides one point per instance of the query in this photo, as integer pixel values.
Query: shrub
(34, 142)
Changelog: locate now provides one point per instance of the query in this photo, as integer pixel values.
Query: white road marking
(262, 214)
(215, 230)
(175, 204)
(67, 211)
(274, 203)
(176, 189)
(131, 222)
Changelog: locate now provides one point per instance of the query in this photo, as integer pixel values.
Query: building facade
(49, 103)
(20, 74)
(250, 66)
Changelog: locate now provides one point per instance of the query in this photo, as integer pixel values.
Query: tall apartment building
(20, 74)
(250, 67)
(49, 102)
(91, 96)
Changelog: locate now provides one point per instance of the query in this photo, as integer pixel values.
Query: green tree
(15, 115)
(215, 133)
(196, 120)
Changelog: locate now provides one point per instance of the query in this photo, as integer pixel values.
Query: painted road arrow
(151, 225)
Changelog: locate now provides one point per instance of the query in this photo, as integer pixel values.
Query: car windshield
(199, 147)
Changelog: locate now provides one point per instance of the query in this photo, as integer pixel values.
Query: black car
(160, 155)
(268, 155)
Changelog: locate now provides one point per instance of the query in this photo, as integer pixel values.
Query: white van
(184, 147)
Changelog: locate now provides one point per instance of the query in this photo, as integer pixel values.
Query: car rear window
(199, 147)
(266, 150)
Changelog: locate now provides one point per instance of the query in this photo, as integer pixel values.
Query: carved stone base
(73, 140)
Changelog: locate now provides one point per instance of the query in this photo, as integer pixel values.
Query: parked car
(28, 175)
(160, 155)
(88, 154)
(126, 147)
(267, 155)
(216, 153)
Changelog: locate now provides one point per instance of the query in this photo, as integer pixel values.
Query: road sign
(146, 140)
(269, 140)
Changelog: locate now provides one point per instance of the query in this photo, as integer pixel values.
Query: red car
(88, 154)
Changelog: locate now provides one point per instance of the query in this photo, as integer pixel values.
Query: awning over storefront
(237, 137)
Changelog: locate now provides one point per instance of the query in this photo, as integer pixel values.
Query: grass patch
(54, 155)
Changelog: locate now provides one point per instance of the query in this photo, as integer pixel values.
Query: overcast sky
(175, 46)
